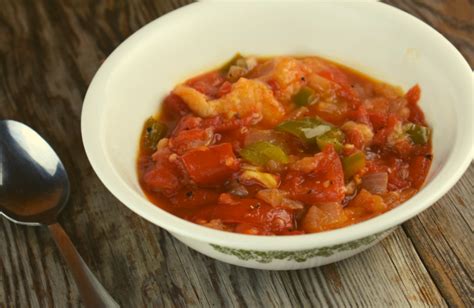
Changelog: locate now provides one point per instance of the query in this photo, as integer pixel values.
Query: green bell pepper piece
(225, 68)
(305, 129)
(418, 134)
(353, 164)
(335, 137)
(261, 152)
(153, 132)
(304, 97)
(313, 130)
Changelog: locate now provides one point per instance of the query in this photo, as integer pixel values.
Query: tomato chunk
(416, 115)
(190, 139)
(324, 184)
(210, 165)
(413, 95)
(220, 124)
(209, 84)
(419, 167)
(174, 105)
(335, 75)
(164, 176)
(251, 213)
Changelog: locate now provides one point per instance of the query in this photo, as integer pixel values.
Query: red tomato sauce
(284, 145)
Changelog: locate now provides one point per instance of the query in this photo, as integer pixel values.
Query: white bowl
(372, 37)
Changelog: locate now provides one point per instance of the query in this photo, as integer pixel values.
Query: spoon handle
(92, 292)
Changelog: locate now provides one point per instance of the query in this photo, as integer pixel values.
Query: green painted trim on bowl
(298, 256)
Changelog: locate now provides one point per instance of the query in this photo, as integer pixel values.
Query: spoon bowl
(34, 188)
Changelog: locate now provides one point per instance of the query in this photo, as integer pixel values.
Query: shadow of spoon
(34, 188)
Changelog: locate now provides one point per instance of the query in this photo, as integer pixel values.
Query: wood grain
(443, 237)
(49, 52)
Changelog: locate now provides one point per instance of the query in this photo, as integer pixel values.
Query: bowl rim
(91, 123)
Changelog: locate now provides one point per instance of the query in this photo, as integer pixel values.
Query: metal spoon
(34, 188)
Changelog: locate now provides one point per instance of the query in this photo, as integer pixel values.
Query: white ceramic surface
(372, 37)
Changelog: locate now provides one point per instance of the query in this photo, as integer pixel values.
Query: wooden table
(49, 52)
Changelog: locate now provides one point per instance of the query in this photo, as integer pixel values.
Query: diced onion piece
(238, 190)
(264, 179)
(274, 197)
(278, 198)
(375, 183)
(324, 217)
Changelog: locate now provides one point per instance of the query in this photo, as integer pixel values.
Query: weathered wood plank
(174, 275)
(49, 51)
(444, 238)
